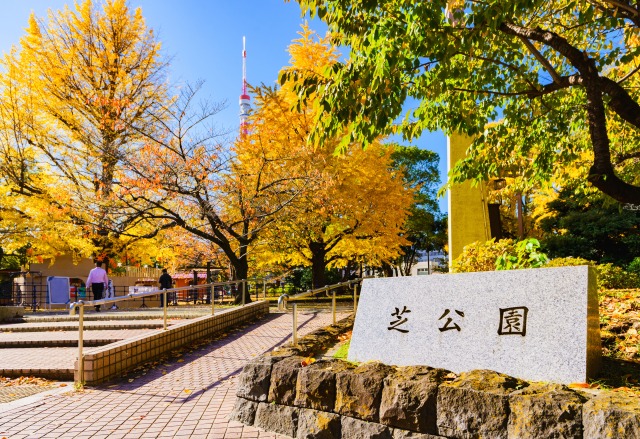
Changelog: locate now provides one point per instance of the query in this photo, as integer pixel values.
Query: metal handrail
(80, 304)
(284, 298)
(130, 296)
(326, 288)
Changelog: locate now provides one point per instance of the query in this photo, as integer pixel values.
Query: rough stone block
(409, 398)
(255, 379)
(286, 351)
(313, 424)
(476, 405)
(284, 375)
(316, 386)
(277, 418)
(359, 391)
(357, 429)
(537, 324)
(545, 410)
(244, 411)
(404, 434)
(612, 415)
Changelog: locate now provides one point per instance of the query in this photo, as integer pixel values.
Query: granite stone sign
(539, 324)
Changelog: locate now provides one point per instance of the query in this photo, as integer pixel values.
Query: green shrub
(609, 276)
(526, 254)
(481, 256)
(569, 262)
(634, 266)
(505, 254)
(613, 277)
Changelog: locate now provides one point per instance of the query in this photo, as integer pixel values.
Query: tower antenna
(245, 100)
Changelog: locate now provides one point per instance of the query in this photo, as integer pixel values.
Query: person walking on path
(166, 282)
(97, 281)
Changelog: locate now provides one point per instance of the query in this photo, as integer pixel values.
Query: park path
(191, 396)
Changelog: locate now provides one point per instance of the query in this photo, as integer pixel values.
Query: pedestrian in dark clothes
(166, 283)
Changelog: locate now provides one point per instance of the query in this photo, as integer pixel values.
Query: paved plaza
(190, 396)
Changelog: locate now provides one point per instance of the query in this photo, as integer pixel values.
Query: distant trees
(425, 228)
(590, 227)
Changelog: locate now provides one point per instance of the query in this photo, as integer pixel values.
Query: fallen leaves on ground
(619, 327)
(620, 323)
(307, 361)
(24, 381)
(581, 385)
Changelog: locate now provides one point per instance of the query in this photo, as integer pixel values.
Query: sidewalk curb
(7, 406)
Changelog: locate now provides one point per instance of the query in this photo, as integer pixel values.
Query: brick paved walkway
(187, 397)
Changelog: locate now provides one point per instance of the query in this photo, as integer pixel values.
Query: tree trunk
(387, 269)
(240, 268)
(318, 255)
(240, 272)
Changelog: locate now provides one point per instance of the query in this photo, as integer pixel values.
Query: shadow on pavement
(147, 373)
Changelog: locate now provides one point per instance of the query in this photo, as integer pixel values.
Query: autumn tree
(561, 75)
(84, 87)
(353, 205)
(186, 250)
(189, 177)
(32, 223)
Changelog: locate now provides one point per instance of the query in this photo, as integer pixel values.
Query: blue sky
(204, 40)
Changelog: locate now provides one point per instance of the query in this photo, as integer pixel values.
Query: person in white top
(97, 281)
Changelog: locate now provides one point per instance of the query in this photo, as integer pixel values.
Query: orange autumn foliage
(348, 208)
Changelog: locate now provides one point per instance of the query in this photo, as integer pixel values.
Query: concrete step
(91, 325)
(91, 315)
(54, 339)
(55, 343)
(50, 363)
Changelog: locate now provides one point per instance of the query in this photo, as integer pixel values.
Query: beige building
(468, 210)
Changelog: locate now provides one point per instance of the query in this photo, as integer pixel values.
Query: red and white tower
(245, 100)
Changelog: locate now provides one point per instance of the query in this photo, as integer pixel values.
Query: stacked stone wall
(336, 399)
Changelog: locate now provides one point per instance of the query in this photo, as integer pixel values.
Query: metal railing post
(244, 286)
(80, 344)
(34, 302)
(264, 288)
(295, 324)
(333, 306)
(164, 302)
(213, 299)
(355, 298)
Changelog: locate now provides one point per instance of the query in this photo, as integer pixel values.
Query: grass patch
(342, 351)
